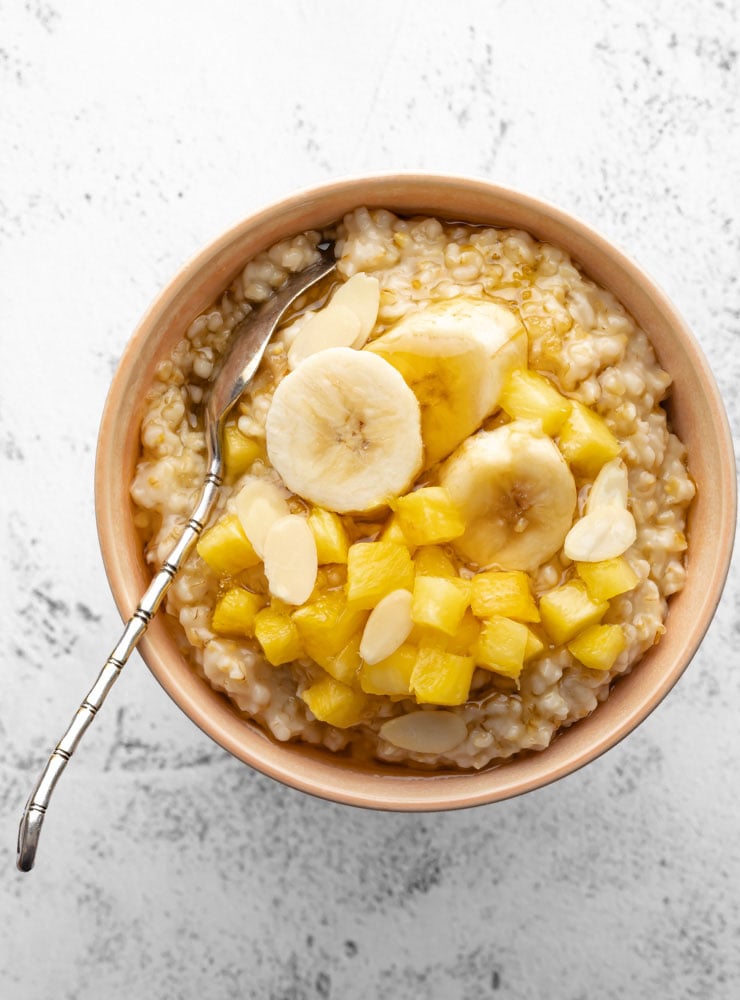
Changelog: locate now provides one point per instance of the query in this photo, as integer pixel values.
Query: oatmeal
(453, 510)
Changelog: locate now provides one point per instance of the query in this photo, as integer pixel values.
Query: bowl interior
(698, 417)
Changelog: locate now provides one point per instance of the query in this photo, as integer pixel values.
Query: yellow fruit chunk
(392, 532)
(607, 578)
(432, 560)
(586, 442)
(530, 396)
(440, 602)
(501, 646)
(335, 703)
(567, 610)
(278, 636)
(391, 676)
(466, 635)
(503, 593)
(326, 625)
(225, 547)
(599, 646)
(429, 515)
(239, 452)
(235, 612)
(345, 665)
(330, 536)
(534, 646)
(440, 677)
(374, 569)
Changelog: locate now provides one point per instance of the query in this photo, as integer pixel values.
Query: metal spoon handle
(33, 815)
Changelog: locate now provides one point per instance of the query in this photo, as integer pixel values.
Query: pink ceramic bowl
(698, 417)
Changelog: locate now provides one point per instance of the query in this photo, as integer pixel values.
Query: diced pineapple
(429, 515)
(567, 610)
(345, 665)
(239, 452)
(374, 569)
(327, 624)
(391, 676)
(501, 646)
(440, 602)
(440, 677)
(235, 612)
(530, 396)
(432, 560)
(599, 646)
(586, 441)
(534, 646)
(503, 593)
(278, 636)
(608, 578)
(335, 703)
(392, 532)
(332, 543)
(466, 635)
(225, 547)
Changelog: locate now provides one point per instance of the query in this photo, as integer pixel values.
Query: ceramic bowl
(696, 410)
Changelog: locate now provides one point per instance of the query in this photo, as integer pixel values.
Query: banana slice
(344, 431)
(455, 355)
(258, 504)
(387, 627)
(291, 563)
(334, 326)
(516, 494)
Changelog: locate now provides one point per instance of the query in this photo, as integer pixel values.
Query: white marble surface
(132, 134)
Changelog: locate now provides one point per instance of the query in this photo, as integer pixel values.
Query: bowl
(697, 414)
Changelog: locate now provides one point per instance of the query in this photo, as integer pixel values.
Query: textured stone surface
(131, 135)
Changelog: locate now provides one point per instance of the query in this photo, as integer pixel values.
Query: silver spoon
(246, 347)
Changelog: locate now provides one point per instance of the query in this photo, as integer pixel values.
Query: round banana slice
(455, 355)
(344, 431)
(516, 494)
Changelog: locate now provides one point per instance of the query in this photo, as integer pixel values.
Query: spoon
(246, 347)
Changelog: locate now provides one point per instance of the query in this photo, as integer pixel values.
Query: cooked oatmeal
(507, 639)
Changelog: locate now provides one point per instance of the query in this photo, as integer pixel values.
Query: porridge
(453, 511)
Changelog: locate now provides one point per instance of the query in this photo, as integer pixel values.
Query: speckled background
(131, 135)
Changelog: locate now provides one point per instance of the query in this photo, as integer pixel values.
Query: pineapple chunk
(345, 665)
(327, 624)
(440, 677)
(502, 646)
(236, 611)
(428, 515)
(466, 635)
(586, 441)
(391, 676)
(503, 593)
(335, 703)
(432, 560)
(374, 569)
(607, 578)
(332, 543)
(392, 532)
(568, 610)
(239, 452)
(278, 636)
(534, 646)
(529, 396)
(599, 646)
(439, 602)
(225, 547)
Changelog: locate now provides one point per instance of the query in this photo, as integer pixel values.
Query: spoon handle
(33, 815)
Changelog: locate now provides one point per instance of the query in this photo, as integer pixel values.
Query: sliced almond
(387, 627)
(605, 533)
(361, 294)
(610, 488)
(334, 326)
(425, 732)
(258, 504)
(291, 563)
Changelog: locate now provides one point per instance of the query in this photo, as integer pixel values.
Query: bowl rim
(315, 772)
